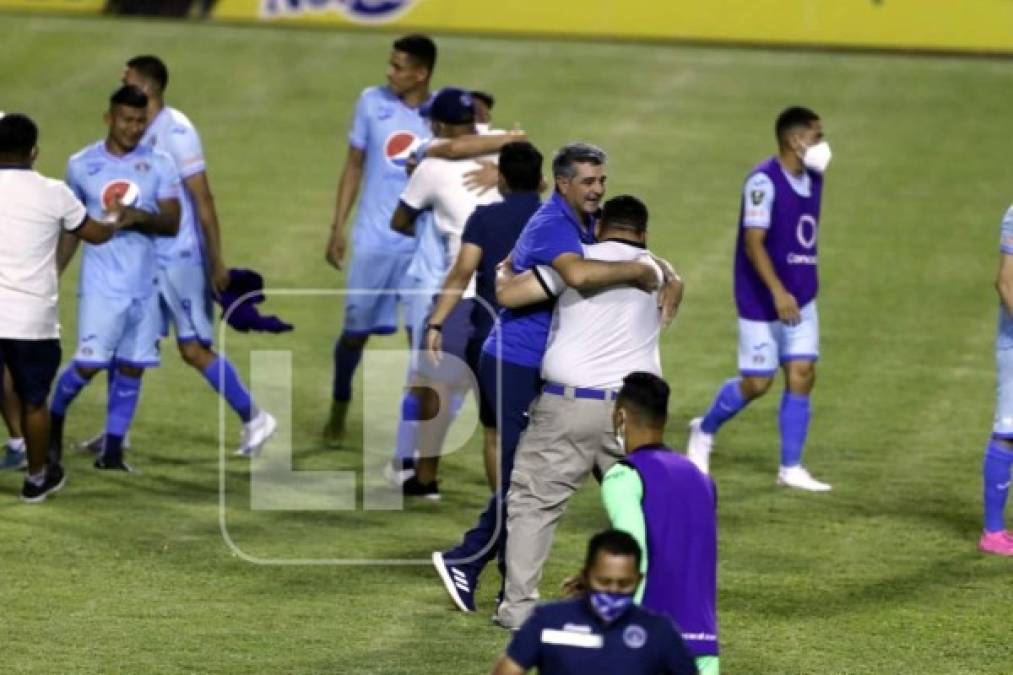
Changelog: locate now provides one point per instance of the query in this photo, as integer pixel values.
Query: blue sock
(408, 427)
(345, 362)
(68, 387)
(794, 422)
(224, 379)
(123, 396)
(996, 477)
(726, 405)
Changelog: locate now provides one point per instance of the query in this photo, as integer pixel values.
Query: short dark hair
(576, 153)
(521, 166)
(18, 135)
(647, 394)
(615, 542)
(419, 47)
(129, 96)
(151, 67)
(484, 97)
(790, 119)
(625, 211)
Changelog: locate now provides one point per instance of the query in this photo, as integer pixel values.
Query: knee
(85, 371)
(130, 371)
(195, 354)
(801, 376)
(754, 386)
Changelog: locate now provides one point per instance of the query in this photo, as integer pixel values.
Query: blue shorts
(380, 275)
(1002, 426)
(186, 303)
(32, 365)
(120, 330)
(764, 346)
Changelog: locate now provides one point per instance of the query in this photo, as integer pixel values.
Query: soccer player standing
(35, 213)
(118, 179)
(999, 452)
(775, 291)
(386, 129)
(182, 275)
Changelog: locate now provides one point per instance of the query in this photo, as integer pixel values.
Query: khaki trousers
(565, 440)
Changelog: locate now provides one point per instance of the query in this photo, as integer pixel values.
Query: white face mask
(817, 157)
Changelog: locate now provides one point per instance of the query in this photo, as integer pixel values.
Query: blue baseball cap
(450, 105)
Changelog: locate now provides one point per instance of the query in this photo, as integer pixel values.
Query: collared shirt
(552, 231)
(34, 210)
(125, 266)
(567, 638)
(173, 133)
(598, 338)
(495, 229)
(388, 132)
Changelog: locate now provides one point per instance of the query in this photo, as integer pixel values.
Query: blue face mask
(609, 606)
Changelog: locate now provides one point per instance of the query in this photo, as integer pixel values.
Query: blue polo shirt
(552, 231)
(494, 228)
(567, 638)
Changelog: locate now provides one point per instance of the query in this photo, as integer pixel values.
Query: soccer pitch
(130, 573)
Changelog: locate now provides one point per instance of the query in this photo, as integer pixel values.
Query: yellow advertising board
(947, 25)
(62, 6)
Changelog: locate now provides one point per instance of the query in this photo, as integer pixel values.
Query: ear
(562, 183)
(107, 118)
(34, 154)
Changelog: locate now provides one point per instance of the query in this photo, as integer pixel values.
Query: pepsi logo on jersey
(399, 146)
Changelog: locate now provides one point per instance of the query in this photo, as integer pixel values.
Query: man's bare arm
(403, 220)
(756, 252)
(521, 290)
(164, 223)
(200, 188)
(472, 145)
(348, 190)
(589, 275)
(507, 666)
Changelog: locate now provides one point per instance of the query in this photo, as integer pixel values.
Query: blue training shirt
(125, 266)
(388, 131)
(174, 134)
(552, 231)
(567, 638)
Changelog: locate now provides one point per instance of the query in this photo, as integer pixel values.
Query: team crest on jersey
(359, 11)
(399, 146)
(756, 196)
(634, 636)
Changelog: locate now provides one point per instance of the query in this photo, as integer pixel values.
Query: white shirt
(598, 338)
(33, 211)
(438, 184)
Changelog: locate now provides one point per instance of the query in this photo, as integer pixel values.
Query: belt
(579, 392)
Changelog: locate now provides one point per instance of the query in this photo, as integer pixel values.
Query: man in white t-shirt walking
(595, 340)
(437, 185)
(35, 214)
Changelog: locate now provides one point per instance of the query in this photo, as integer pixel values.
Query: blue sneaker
(459, 583)
(14, 459)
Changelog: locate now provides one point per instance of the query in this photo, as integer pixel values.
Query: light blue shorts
(764, 346)
(379, 277)
(120, 330)
(186, 303)
(1003, 424)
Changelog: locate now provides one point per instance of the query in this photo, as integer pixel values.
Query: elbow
(575, 277)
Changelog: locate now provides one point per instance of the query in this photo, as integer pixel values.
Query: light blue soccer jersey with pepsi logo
(172, 133)
(125, 266)
(388, 132)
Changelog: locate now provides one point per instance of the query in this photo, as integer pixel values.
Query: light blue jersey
(125, 266)
(1003, 424)
(172, 133)
(388, 132)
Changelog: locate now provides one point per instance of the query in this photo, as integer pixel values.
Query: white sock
(37, 479)
(16, 444)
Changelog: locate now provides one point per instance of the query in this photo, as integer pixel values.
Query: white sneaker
(699, 445)
(255, 433)
(396, 477)
(797, 477)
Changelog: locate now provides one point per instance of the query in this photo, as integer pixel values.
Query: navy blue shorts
(32, 365)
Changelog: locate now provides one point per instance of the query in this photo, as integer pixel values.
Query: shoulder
(179, 125)
(759, 180)
(373, 94)
(83, 154)
(655, 622)
(163, 159)
(620, 471)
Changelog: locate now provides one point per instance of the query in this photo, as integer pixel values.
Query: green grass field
(131, 573)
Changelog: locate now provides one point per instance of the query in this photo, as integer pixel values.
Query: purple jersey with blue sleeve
(387, 131)
(789, 209)
(172, 133)
(125, 266)
(552, 231)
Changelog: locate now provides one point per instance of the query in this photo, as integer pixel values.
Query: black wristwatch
(438, 327)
